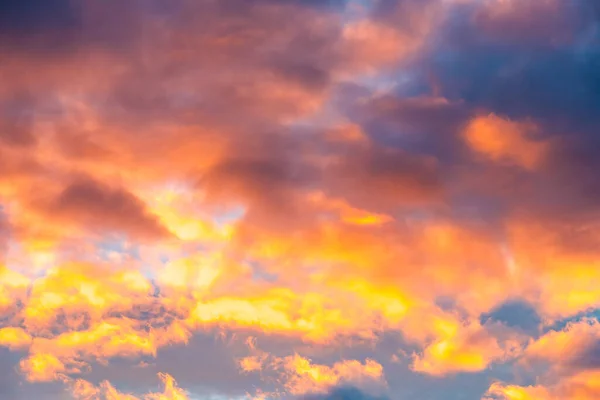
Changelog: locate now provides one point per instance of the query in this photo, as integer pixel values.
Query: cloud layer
(382, 199)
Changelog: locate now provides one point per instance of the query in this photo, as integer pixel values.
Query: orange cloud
(582, 386)
(569, 355)
(82, 288)
(567, 348)
(13, 286)
(500, 391)
(83, 390)
(86, 201)
(505, 141)
(14, 338)
(459, 348)
(252, 363)
(556, 272)
(300, 376)
(347, 213)
(306, 377)
(43, 368)
(372, 46)
(234, 166)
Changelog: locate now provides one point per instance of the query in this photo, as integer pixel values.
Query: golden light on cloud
(301, 376)
(82, 390)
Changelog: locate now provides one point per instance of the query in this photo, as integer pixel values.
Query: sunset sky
(299, 199)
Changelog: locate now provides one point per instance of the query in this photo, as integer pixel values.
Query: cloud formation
(299, 199)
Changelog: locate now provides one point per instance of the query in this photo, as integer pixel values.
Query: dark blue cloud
(555, 83)
(515, 313)
(64, 27)
(344, 393)
(28, 17)
(558, 82)
(40, 25)
(562, 86)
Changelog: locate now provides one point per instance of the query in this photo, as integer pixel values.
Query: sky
(299, 199)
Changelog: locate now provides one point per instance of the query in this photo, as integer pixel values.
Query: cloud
(334, 178)
(31, 16)
(573, 347)
(470, 349)
(501, 140)
(91, 202)
(44, 368)
(83, 390)
(515, 314)
(570, 359)
(343, 393)
(14, 338)
(499, 391)
(582, 386)
(550, 21)
(301, 376)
